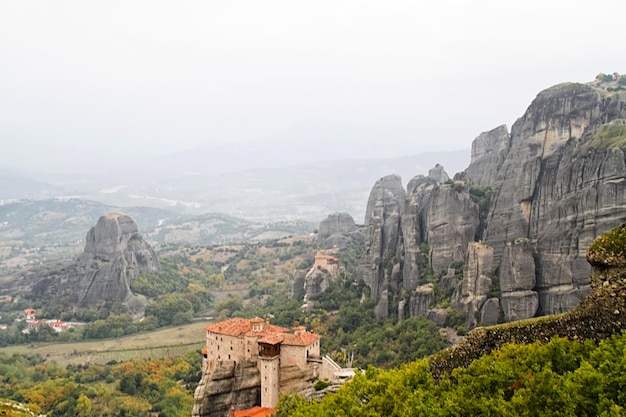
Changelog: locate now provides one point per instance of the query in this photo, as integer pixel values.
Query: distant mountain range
(222, 180)
(35, 223)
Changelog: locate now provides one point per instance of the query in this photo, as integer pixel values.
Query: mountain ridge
(519, 219)
(306, 191)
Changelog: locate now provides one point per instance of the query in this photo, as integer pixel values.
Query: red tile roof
(303, 339)
(255, 412)
(272, 339)
(240, 327)
(327, 257)
(271, 334)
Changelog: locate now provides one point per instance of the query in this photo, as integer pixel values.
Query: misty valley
(422, 285)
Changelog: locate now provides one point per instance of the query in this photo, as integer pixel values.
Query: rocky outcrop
(238, 385)
(607, 256)
(534, 138)
(316, 281)
(472, 292)
(114, 253)
(341, 223)
(231, 385)
(451, 220)
(537, 197)
(517, 269)
(427, 227)
(296, 285)
(438, 173)
(599, 316)
(517, 281)
(336, 233)
(323, 272)
(490, 312)
(421, 300)
(338, 230)
(560, 188)
(489, 151)
(415, 258)
(384, 245)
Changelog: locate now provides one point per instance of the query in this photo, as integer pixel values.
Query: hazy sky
(150, 77)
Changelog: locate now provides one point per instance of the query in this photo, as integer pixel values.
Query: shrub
(320, 385)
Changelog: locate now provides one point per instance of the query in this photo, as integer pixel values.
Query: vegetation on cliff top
(611, 136)
(609, 250)
(599, 316)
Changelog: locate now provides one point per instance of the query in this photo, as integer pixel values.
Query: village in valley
(32, 323)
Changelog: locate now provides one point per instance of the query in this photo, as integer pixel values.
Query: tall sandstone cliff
(114, 253)
(518, 220)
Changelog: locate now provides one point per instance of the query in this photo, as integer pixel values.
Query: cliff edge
(524, 212)
(599, 316)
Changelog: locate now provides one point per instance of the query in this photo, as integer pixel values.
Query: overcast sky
(151, 77)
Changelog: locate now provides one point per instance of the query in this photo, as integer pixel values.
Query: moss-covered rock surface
(609, 250)
(612, 135)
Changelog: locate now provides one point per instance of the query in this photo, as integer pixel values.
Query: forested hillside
(138, 388)
(571, 364)
(558, 378)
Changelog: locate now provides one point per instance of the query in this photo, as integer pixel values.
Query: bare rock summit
(114, 254)
(517, 222)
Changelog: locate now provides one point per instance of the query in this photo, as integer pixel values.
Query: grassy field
(170, 342)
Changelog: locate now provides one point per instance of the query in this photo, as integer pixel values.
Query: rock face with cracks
(341, 223)
(114, 253)
(536, 197)
(598, 316)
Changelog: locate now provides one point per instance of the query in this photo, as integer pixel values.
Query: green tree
(83, 406)
(557, 378)
(229, 305)
(170, 308)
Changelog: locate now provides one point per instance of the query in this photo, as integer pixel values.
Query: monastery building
(274, 349)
